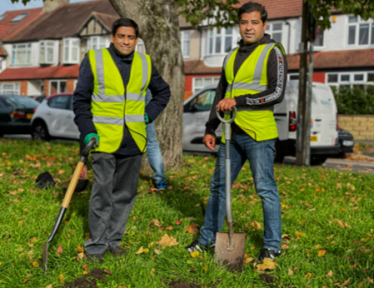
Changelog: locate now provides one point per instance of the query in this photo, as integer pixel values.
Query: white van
(324, 125)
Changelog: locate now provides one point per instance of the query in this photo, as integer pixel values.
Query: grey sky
(7, 5)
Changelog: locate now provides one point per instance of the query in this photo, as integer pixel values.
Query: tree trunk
(159, 28)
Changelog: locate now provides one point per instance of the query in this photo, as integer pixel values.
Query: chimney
(50, 5)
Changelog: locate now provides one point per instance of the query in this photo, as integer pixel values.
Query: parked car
(54, 118)
(346, 141)
(16, 113)
(40, 98)
(323, 134)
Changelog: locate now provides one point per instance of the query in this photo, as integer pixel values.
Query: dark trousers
(113, 196)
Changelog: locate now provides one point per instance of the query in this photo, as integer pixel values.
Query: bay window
(21, 54)
(10, 89)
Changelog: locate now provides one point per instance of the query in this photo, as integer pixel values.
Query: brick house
(42, 56)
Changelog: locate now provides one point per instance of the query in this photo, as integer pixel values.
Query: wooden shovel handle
(72, 185)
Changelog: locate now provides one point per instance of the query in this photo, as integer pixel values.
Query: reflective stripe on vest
(251, 78)
(112, 105)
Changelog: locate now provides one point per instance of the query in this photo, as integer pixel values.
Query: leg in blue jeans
(153, 149)
(154, 154)
(260, 156)
(261, 160)
(216, 208)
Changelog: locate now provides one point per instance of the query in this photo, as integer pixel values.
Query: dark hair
(253, 6)
(127, 22)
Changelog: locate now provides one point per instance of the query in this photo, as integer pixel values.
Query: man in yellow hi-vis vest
(253, 79)
(109, 104)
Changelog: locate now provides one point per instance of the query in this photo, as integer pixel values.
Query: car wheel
(317, 160)
(40, 131)
(278, 153)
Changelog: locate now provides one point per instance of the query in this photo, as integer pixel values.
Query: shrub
(356, 100)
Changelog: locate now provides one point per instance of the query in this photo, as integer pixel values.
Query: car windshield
(20, 101)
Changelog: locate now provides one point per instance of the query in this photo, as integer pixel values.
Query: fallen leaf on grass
(329, 274)
(179, 221)
(194, 254)
(80, 256)
(61, 172)
(192, 228)
(290, 272)
(346, 282)
(321, 253)
(284, 246)
(35, 264)
(152, 271)
(256, 225)
(141, 250)
(61, 277)
(169, 228)
(85, 267)
(107, 271)
(59, 251)
(317, 246)
(354, 265)
(80, 249)
(308, 275)
(158, 252)
(154, 222)
(167, 241)
(248, 260)
(338, 185)
(49, 286)
(206, 268)
(299, 234)
(267, 264)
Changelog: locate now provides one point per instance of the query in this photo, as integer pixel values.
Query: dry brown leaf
(267, 264)
(169, 228)
(329, 274)
(192, 228)
(155, 222)
(158, 252)
(167, 241)
(284, 246)
(341, 225)
(80, 249)
(308, 275)
(321, 253)
(317, 246)
(248, 260)
(256, 225)
(290, 272)
(346, 282)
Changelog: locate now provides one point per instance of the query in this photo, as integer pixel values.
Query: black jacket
(83, 92)
(273, 95)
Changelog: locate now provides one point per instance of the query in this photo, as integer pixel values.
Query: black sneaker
(197, 246)
(268, 253)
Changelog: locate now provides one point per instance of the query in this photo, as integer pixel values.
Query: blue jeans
(261, 159)
(153, 149)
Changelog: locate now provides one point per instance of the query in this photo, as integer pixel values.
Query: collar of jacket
(127, 58)
(250, 47)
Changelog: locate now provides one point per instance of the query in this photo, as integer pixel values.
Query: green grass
(315, 203)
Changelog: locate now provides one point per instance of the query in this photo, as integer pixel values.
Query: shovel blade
(232, 258)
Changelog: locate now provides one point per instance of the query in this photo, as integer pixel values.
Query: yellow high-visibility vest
(113, 105)
(251, 78)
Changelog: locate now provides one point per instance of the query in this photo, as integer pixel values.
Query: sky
(7, 5)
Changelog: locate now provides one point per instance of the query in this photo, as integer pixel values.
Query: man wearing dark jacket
(253, 79)
(109, 104)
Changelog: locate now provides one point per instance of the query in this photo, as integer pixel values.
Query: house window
(47, 52)
(220, 41)
(318, 41)
(19, 17)
(185, 43)
(201, 82)
(360, 32)
(345, 79)
(21, 54)
(2, 17)
(71, 50)
(57, 86)
(275, 31)
(10, 89)
(98, 42)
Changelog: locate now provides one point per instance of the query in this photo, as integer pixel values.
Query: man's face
(125, 40)
(251, 27)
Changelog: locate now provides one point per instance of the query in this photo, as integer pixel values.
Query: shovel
(68, 195)
(230, 247)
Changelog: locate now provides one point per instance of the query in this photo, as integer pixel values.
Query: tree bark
(159, 28)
